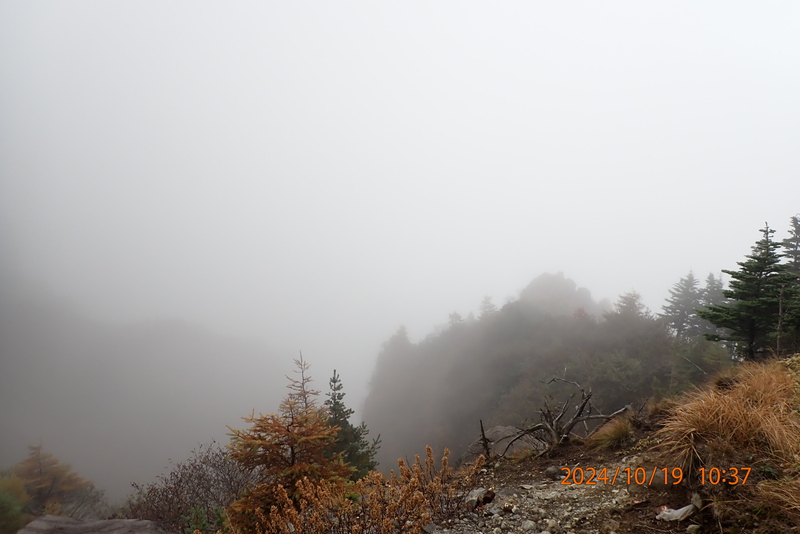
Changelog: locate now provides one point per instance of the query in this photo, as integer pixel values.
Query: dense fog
(192, 193)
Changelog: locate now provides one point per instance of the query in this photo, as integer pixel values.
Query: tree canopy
(351, 441)
(761, 302)
(52, 487)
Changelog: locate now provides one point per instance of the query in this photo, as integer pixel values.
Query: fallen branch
(551, 424)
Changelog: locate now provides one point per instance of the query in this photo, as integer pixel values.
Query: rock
(54, 524)
(475, 498)
(693, 529)
(527, 525)
(554, 473)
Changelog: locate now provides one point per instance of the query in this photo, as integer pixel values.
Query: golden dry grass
(612, 435)
(783, 494)
(754, 414)
(750, 417)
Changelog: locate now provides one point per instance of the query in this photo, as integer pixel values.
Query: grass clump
(614, 434)
(751, 414)
(747, 418)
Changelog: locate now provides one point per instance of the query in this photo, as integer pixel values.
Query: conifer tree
(54, 488)
(710, 294)
(679, 311)
(486, 307)
(351, 441)
(753, 316)
(281, 449)
(790, 296)
(791, 246)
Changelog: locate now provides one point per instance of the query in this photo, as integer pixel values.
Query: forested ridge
(497, 367)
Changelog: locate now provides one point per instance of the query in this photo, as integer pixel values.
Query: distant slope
(117, 401)
(495, 368)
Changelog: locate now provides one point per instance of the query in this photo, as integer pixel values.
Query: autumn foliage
(407, 501)
(285, 448)
(42, 484)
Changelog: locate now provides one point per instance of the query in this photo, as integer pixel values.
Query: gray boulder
(55, 524)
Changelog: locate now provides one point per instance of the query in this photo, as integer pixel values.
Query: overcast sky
(314, 175)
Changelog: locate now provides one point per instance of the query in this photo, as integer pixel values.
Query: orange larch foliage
(49, 483)
(283, 449)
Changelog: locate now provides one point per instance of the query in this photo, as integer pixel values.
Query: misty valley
(172, 422)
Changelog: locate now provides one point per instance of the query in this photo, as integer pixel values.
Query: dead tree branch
(555, 431)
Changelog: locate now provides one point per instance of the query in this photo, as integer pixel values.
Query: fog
(212, 188)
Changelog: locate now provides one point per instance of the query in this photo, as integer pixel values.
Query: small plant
(197, 520)
(767, 471)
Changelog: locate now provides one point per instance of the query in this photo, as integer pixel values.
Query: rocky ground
(530, 496)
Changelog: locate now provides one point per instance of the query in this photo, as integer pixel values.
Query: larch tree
(54, 488)
(281, 449)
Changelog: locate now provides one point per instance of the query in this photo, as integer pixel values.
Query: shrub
(193, 495)
(11, 517)
(408, 500)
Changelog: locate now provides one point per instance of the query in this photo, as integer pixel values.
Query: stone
(475, 498)
(554, 473)
(54, 524)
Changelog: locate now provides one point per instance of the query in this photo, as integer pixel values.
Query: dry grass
(750, 417)
(754, 415)
(781, 494)
(405, 502)
(614, 434)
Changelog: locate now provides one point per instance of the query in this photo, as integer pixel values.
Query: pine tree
(709, 295)
(351, 441)
(486, 307)
(283, 448)
(791, 246)
(679, 311)
(752, 317)
(790, 297)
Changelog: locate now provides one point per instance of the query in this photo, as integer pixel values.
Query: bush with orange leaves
(418, 495)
